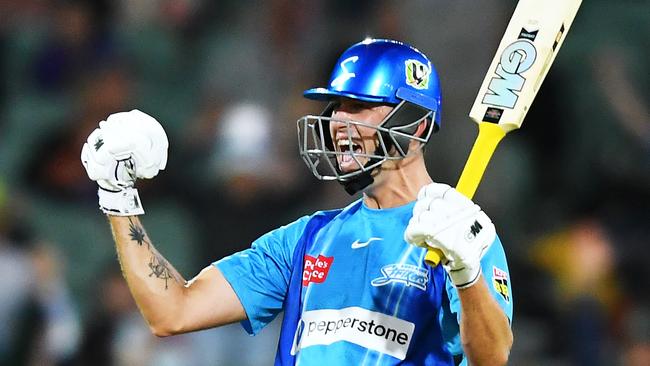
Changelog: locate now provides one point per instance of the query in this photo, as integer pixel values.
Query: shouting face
(353, 141)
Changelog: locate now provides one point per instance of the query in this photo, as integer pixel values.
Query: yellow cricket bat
(527, 50)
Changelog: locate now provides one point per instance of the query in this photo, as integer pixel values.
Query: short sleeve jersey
(354, 292)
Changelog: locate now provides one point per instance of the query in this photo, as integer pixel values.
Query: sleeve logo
(316, 269)
(500, 283)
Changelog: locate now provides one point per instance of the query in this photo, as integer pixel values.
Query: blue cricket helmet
(378, 71)
(384, 71)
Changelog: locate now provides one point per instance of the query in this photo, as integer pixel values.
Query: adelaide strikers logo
(407, 274)
(417, 74)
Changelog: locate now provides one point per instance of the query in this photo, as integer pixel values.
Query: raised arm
(484, 328)
(446, 220)
(132, 145)
(169, 303)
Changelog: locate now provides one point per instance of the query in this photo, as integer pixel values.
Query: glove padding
(127, 146)
(446, 220)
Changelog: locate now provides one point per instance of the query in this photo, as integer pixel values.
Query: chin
(351, 167)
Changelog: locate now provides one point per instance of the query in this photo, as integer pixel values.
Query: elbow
(503, 360)
(160, 332)
(500, 359)
(164, 329)
(494, 356)
(496, 359)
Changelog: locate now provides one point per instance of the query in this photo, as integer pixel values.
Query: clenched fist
(446, 220)
(126, 146)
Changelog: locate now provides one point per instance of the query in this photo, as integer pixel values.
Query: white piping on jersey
(399, 300)
(402, 260)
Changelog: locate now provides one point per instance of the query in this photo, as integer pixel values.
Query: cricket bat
(531, 41)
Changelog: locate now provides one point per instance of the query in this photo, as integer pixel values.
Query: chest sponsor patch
(369, 329)
(407, 274)
(316, 269)
(500, 283)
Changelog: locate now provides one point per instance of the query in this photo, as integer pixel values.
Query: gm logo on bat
(516, 59)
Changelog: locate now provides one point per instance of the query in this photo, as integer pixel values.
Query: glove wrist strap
(125, 202)
(466, 277)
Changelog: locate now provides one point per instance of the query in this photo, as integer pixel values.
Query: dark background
(569, 192)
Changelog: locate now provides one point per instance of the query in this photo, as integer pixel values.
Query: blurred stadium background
(570, 192)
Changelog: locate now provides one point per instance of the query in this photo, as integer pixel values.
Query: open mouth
(348, 148)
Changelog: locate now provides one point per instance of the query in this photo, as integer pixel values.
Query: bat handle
(489, 136)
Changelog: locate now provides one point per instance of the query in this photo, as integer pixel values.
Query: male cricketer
(353, 289)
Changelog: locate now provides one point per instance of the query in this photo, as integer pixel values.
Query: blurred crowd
(569, 193)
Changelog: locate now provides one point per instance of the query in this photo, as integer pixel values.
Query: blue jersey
(354, 292)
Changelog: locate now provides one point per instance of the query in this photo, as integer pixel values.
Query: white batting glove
(127, 146)
(446, 220)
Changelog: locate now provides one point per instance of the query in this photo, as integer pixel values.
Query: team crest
(500, 283)
(407, 274)
(417, 74)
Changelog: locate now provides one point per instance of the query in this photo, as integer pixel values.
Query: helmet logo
(417, 74)
(345, 75)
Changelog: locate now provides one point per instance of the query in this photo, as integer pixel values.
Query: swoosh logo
(360, 244)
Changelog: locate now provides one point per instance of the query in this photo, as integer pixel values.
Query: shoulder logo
(417, 74)
(360, 244)
(407, 274)
(315, 269)
(500, 283)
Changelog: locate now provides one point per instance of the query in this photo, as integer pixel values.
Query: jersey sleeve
(495, 272)
(260, 275)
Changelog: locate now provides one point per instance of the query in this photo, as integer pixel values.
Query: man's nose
(337, 118)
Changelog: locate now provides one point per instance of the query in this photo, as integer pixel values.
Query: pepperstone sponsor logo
(369, 329)
(315, 269)
(407, 274)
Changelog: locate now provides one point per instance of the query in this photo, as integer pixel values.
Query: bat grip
(489, 136)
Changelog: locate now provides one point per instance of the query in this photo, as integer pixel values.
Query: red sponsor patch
(499, 273)
(315, 269)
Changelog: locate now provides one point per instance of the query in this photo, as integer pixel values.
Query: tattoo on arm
(159, 268)
(158, 265)
(137, 233)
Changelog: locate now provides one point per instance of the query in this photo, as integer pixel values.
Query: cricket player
(352, 282)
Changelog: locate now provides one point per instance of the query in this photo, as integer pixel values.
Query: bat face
(529, 46)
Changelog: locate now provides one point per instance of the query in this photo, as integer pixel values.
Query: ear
(422, 128)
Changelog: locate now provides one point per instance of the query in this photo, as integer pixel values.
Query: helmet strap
(358, 182)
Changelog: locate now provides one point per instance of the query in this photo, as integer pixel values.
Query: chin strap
(358, 182)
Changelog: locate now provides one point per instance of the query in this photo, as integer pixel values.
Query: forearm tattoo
(159, 267)
(137, 233)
